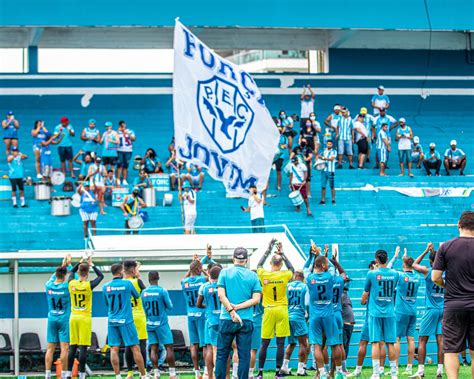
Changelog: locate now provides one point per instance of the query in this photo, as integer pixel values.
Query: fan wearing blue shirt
(454, 159)
(432, 160)
(432, 318)
(296, 293)
(379, 291)
(121, 328)
(156, 302)
(405, 305)
(59, 309)
(209, 300)
(190, 286)
(321, 316)
(380, 100)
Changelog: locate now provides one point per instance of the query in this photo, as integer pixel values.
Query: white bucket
(320, 165)
(296, 198)
(167, 199)
(149, 197)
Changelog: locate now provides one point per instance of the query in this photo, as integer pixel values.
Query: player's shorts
(382, 329)
(196, 330)
(339, 325)
(58, 330)
(406, 325)
(140, 324)
(256, 336)
(297, 329)
(326, 325)
(211, 334)
(344, 147)
(275, 322)
(80, 330)
(122, 335)
(364, 333)
(160, 335)
(382, 155)
(431, 323)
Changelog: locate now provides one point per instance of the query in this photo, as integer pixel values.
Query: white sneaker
(39, 176)
(394, 376)
(375, 376)
(355, 374)
(418, 375)
(408, 372)
(124, 182)
(439, 374)
(285, 371)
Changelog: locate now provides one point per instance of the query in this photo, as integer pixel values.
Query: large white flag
(220, 119)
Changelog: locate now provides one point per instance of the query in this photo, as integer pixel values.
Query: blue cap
(10, 113)
(91, 121)
(186, 185)
(136, 189)
(108, 123)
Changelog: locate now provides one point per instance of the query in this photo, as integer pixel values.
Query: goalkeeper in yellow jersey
(275, 304)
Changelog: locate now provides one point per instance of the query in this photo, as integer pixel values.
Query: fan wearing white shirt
(298, 178)
(255, 207)
(361, 139)
(307, 104)
(404, 137)
(189, 207)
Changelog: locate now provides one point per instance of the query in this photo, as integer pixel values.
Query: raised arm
(395, 257)
(73, 271)
(417, 264)
(262, 260)
(100, 277)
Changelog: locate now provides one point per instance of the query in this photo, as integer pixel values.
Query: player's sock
(47, 374)
(206, 373)
(172, 371)
(338, 368)
(440, 367)
(286, 363)
(157, 372)
(393, 367)
(322, 371)
(197, 374)
(344, 365)
(260, 372)
(376, 367)
(82, 375)
(251, 372)
(118, 376)
(14, 200)
(358, 369)
(300, 368)
(235, 369)
(22, 199)
(409, 367)
(67, 374)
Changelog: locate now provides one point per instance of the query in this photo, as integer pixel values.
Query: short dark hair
(129, 265)
(116, 268)
(409, 261)
(121, 122)
(372, 264)
(276, 260)
(466, 221)
(214, 272)
(299, 274)
(432, 256)
(153, 276)
(109, 171)
(83, 269)
(381, 256)
(61, 272)
(195, 267)
(320, 261)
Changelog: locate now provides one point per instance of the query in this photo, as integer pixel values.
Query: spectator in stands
(111, 182)
(124, 151)
(142, 181)
(255, 207)
(97, 174)
(174, 166)
(39, 135)
(66, 130)
(404, 137)
(91, 137)
(380, 100)
(16, 173)
(417, 155)
(331, 123)
(46, 160)
(362, 139)
(189, 206)
(369, 122)
(239, 291)
(287, 123)
(383, 118)
(345, 136)
(454, 159)
(327, 175)
(85, 163)
(298, 178)
(348, 319)
(432, 160)
(151, 163)
(282, 156)
(307, 104)
(131, 207)
(455, 258)
(109, 142)
(88, 208)
(309, 131)
(194, 175)
(383, 148)
(10, 132)
(305, 153)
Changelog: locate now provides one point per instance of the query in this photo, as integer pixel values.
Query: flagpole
(179, 193)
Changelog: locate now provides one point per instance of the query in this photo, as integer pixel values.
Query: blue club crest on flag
(224, 112)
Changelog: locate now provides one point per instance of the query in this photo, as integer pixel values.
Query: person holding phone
(255, 207)
(10, 128)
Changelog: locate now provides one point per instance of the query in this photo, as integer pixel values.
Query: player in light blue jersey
(296, 293)
(431, 320)
(190, 286)
(121, 328)
(156, 302)
(209, 300)
(379, 291)
(405, 305)
(59, 310)
(321, 316)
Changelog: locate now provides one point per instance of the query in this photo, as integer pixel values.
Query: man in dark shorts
(65, 145)
(16, 173)
(456, 258)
